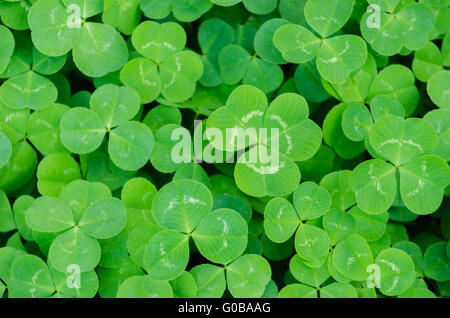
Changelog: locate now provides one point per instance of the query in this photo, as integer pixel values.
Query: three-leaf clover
(182, 209)
(295, 137)
(401, 25)
(112, 109)
(30, 277)
(261, 69)
(246, 277)
(282, 220)
(25, 88)
(58, 27)
(165, 67)
(336, 57)
(421, 177)
(84, 213)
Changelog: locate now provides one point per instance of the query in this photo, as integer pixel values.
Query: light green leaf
(122, 14)
(311, 242)
(280, 220)
(115, 104)
(338, 290)
(396, 81)
(296, 43)
(308, 275)
(8, 43)
(51, 32)
(74, 247)
(144, 287)
(181, 205)
(437, 89)
(49, 215)
(261, 7)
(356, 121)
(375, 185)
(130, 145)
(422, 183)
(210, 280)
(221, 236)
(248, 276)
(370, 226)
(158, 41)
(339, 56)
(184, 286)
(338, 225)
(427, 62)
(352, 257)
(138, 240)
(28, 90)
(142, 75)
(179, 74)
(104, 218)
(30, 278)
(297, 291)
(100, 50)
(166, 255)
(54, 172)
(44, 129)
(6, 216)
(234, 62)
(5, 149)
(82, 130)
(397, 271)
(327, 17)
(399, 140)
(264, 45)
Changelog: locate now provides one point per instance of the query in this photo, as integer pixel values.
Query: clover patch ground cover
(354, 100)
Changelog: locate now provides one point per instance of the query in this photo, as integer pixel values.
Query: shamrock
(282, 220)
(260, 70)
(166, 68)
(25, 88)
(346, 217)
(97, 49)
(22, 132)
(30, 277)
(396, 81)
(249, 276)
(83, 214)
(402, 24)
(407, 144)
(182, 209)
(213, 36)
(112, 109)
(336, 57)
(298, 138)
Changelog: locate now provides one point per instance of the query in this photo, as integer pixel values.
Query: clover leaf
(336, 57)
(75, 240)
(400, 27)
(167, 69)
(299, 138)
(423, 177)
(112, 108)
(220, 235)
(98, 48)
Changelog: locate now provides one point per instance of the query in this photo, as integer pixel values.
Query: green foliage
(339, 189)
